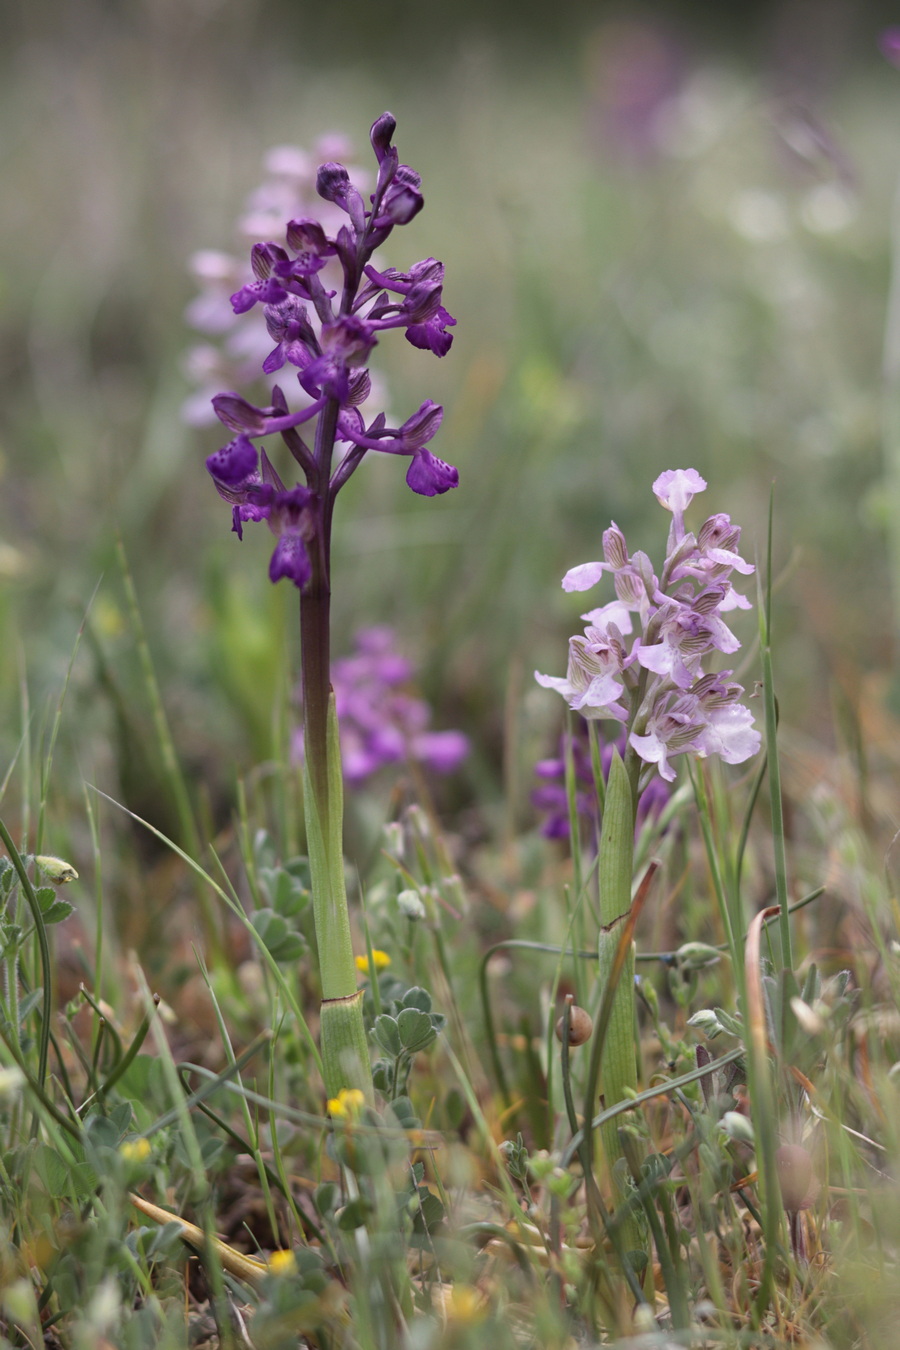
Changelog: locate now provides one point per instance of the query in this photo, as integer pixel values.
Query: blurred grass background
(666, 238)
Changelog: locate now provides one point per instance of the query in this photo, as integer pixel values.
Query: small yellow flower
(135, 1150)
(282, 1263)
(466, 1305)
(380, 960)
(348, 1103)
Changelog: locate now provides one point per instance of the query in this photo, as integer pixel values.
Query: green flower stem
(618, 1076)
(345, 1056)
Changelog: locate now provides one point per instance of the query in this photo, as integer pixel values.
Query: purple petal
(422, 426)
(430, 476)
(583, 577)
(442, 751)
(290, 560)
(239, 415)
(332, 182)
(402, 205)
(431, 335)
(381, 133)
(674, 488)
(234, 464)
(266, 292)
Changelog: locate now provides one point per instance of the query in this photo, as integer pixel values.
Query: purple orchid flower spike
(328, 342)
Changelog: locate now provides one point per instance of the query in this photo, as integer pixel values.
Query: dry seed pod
(580, 1026)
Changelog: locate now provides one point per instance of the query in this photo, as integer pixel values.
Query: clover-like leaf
(417, 998)
(387, 1033)
(416, 1031)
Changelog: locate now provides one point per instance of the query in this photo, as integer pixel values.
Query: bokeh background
(667, 238)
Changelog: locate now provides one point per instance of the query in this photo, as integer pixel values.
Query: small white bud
(737, 1127)
(393, 838)
(410, 905)
(707, 1022)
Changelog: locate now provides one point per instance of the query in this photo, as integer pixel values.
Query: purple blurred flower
(551, 798)
(656, 686)
(381, 721)
(889, 42)
(637, 72)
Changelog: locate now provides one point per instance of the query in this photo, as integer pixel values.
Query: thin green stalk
(374, 986)
(249, 1126)
(124, 1064)
(681, 1272)
(551, 1022)
(109, 1030)
(758, 781)
(487, 1017)
(731, 921)
(46, 766)
(11, 992)
(463, 1041)
(98, 1047)
(572, 799)
(763, 1100)
(44, 948)
(25, 713)
(308, 1119)
(99, 953)
(303, 1223)
(571, 1113)
(776, 804)
(170, 762)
